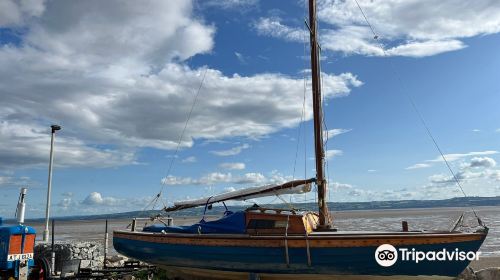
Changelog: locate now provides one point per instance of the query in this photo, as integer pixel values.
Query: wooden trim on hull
(315, 241)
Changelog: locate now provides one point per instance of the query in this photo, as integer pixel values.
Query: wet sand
(485, 262)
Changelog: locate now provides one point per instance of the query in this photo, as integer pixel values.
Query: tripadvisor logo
(387, 255)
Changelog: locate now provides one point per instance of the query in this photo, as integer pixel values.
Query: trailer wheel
(41, 271)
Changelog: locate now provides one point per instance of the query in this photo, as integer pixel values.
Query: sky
(121, 78)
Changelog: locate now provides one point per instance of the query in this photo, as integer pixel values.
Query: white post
(21, 206)
(49, 189)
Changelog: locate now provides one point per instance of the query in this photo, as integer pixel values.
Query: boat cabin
(279, 221)
(254, 221)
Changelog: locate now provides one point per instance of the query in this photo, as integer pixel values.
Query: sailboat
(267, 243)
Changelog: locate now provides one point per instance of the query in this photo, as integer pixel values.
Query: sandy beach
(485, 262)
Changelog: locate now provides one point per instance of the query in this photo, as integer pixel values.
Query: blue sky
(120, 79)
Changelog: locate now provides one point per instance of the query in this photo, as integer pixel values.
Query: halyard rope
(158, 196)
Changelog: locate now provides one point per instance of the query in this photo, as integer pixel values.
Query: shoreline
(111, 216)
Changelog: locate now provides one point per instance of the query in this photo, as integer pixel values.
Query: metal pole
(53, 260)
(134, 222)
(21, 206)
(324, 219)
(54, 128)
(106, 244)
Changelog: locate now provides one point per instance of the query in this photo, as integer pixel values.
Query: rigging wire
(304, 98)
(324, 137)
(303, 113)
(375, 36)
(302, 119)
(298, 140)
(420, 116)
(195, 99)
(289, 204)
(304, 134)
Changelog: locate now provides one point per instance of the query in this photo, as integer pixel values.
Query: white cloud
(252, 178)
(358, 193)
(29, 145)
(493, 174)
(454, 157)
(15, 181)
(329, 154)
(208, 179)
(450, 158)
(231, 152)
(229, 189)
(276, 177)
(65, 202)
(477, 176)
(120, 116)
(449, 179)
(416, 19)
(173, 180)
(350, 193)
(5, 180)
(410, 28)
(17, 13)
(418, 166)
(485, 162)
(112, 74)
(441, 178)
(478, 168)
(233, 165)
(357, 40)
(67, 194)
(190, 159)
(425, 48)
(336, 186)
(96, 203)
(274, 28)
(241, 58)
(95, 198)
(131, 33)
(335, 132)
(214, 178)
(240, 5)
(350, 40)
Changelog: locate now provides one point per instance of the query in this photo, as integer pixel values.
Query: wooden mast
(324, 217)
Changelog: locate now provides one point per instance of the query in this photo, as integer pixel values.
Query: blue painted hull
(355, 260)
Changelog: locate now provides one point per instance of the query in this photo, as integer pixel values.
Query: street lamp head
(55, 127)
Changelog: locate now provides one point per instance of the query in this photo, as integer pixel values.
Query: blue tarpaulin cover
(230, 223)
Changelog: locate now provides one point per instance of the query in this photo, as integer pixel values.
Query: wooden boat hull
(316, 255)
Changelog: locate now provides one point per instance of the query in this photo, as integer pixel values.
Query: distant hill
(333, 206)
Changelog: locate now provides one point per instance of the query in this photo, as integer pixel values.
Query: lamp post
(47, 209)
